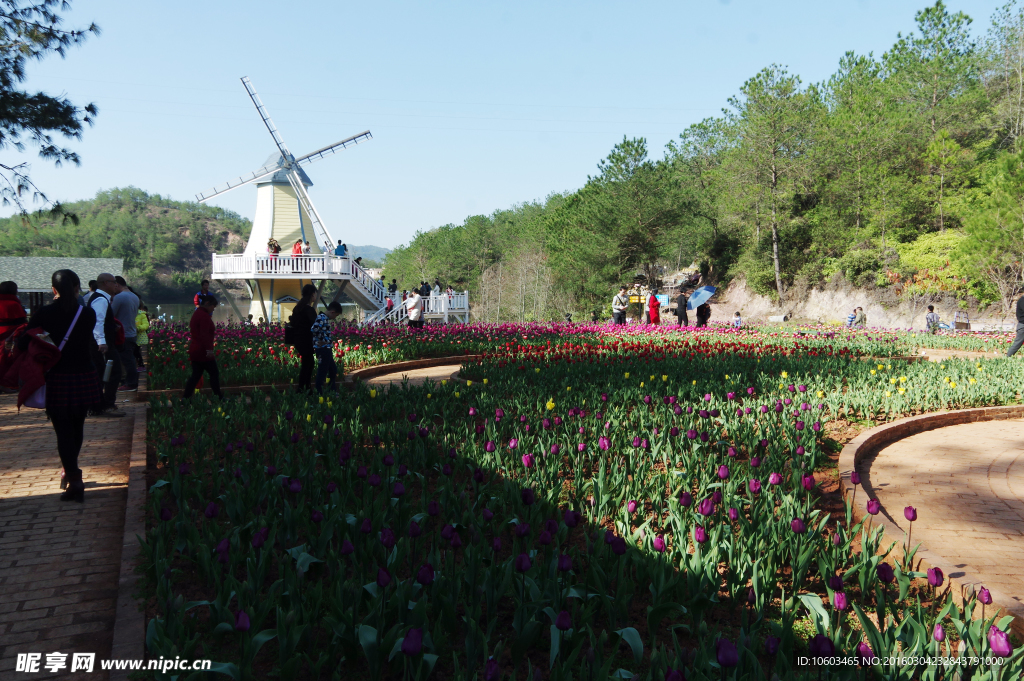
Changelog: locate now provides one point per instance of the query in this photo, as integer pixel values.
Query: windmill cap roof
(281, 176)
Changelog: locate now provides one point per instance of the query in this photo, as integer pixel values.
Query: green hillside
(165, 244)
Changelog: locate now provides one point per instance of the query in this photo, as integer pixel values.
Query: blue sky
(473, 106)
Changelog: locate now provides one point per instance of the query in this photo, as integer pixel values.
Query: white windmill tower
(285, 212)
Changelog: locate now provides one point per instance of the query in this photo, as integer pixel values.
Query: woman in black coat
(72, 387)
(302, 319)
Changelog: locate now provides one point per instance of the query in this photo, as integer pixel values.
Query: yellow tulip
(485, 381)
(444, 381)
(537, 370)
(785, 375)
(903, 379)
(641, 384)
(820, 394)
(873, 372)
(664, 378)
(429, 396)
(888, 394)
(627, 374)
(568, 388)
(695, 382)
(321, 399)
(457, 393)
(469, 383)
(550, 405)
(308, 418)
(880, 367)
(727, 377)
(893, 381)
(373, 393)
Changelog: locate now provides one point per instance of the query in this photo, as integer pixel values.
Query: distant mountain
(166, 245)
(374, 253)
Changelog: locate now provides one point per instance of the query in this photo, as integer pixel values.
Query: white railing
(441, 305)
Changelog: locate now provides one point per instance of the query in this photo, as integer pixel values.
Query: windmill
(284, 211)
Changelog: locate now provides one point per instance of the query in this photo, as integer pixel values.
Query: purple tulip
(674, 675)
(361, 472)
(366, 527)
(389, 460)
(414, 529)
(383, 578)
(487, 514)
(347, 548)
(837, 540)
(387, 538)
(999, 642)
(433, 508)
(492, 672)
(631, 507)
(241, 621)
(700, 535)
(800, 450)
(732, 454)
(425, 575)
(455, 541)
(798, 526)
(751, 597)
(489, 446)
(734, 514)
(317, 516)
(659, 544)
(706, 507)
(685, 499)
(618, 546)
(564, 621)
(807, 482)
(374, 480)
(571, 518)
(716, 497)
(544, 538)
(528, 496)
(885, 573)
(835, 582)
(771, 645)
(774, 479)
(447, 470)
(260, 537)
(496, 544)
(604, 443)
(839, 601)
(910, 513)
(935, 577)
(874, 506)
(726, 653)
(412, 644)
(754, 485)
(865, 653)
(723, 472)
(447, 531)
(691, 434)
(211, 510)
(821, 646)
(755, 462)
(938, 633)
(523, 563)
(331, 486)
(855, 477)
(165, 513)
(985, 596)
(564, 563)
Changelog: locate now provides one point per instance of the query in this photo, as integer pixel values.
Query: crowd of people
(650, 306)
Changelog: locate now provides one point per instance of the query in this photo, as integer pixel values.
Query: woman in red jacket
(12, 314)
(654, 309)
(200, 347)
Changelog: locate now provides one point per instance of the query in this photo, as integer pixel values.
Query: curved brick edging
(129, 633)
(398, 367)
(856, 455)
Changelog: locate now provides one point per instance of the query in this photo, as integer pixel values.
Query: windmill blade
(334, 148)
(319, 230)
(266, 119)
(266, 170)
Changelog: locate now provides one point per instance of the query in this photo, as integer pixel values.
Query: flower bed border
(856, 454)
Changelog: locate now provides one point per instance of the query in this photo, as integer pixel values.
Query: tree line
(903, 170)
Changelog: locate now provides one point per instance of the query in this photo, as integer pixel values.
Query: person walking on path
(931, 320)
(142, 329)
(414, 308)
(1019, 340)
(324, 348)
(12, 314)
(654, 309)
(680, 312)
(72, 388)
(125, 306)
(620, 303)
(302, 319)
(105, 333)
(200, 347)
(850, 318)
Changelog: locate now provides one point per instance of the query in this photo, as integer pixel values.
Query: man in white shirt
(106, 288)
(620, 303)
(414, 307)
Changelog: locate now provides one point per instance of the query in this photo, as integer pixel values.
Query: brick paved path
(59, 562)
(967, 484)
(416, 376)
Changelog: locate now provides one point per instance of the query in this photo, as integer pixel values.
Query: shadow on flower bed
(487, 531)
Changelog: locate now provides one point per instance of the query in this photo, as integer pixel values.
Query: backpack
(113, 330)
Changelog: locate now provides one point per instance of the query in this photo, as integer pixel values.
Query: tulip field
(589, 503)
(259, 355)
